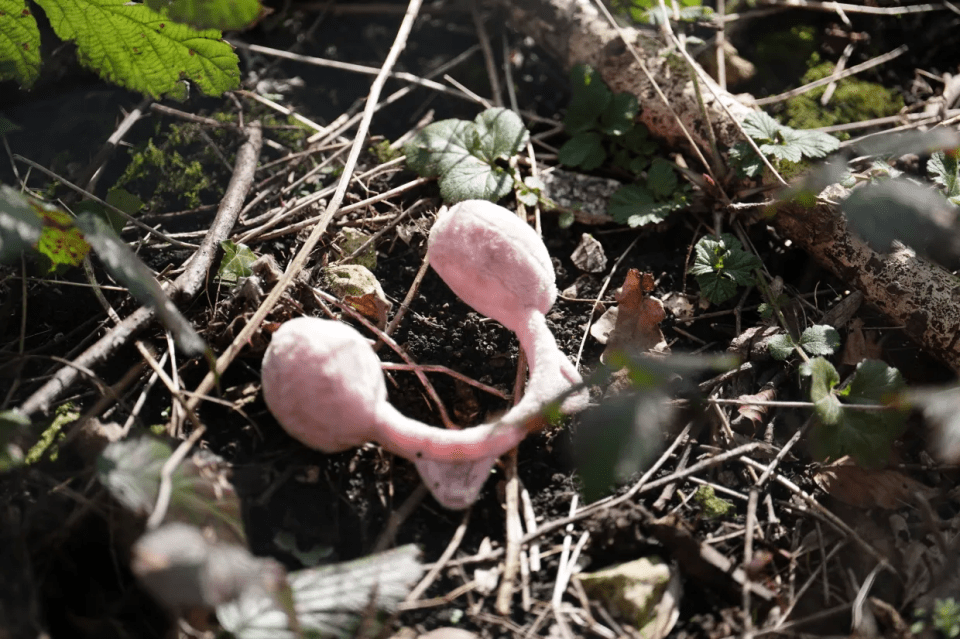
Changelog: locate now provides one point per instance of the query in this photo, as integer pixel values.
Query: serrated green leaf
(590, 97)
(584, 150)
(874, 382)
(330, 601)
(20, 226)
(747, 163)
(823, 378)
(618, 438)
(60, 241)
(820, 339)
(617, 118)
(716, 288)
(661, 178)
(126, 202)
(225, 15)
(810, 144)
(126, 267)
(782, 152)
(237, 259)
(501, 134)
(130, 470)
(780, 346)
(19, 43)
(760, 126)
(943, 170)
(463, 154)
(137, 48)
(635, 205)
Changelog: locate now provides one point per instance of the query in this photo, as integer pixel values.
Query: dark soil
(64, 542)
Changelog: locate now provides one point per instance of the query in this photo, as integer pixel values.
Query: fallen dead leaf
(862, 488)
(859, 347)
(637, 328)
(589, 255)
(371, 306)
(679, 304)
(754, 412)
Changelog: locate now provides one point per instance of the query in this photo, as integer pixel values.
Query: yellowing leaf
(137, 48)
(60, 240)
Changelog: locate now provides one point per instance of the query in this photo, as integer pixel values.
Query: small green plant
(236, 262)
(943, 170)
(602, 127)
(464, 155)
(721, 265)
(946, 617)
(781, 144)
(842, 428)
(816, 340)
(138, 46)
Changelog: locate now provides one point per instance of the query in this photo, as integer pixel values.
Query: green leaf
(617, 118)
(743, 158)
(943, 170)
(820, 340)
(139, 49)
(823, 378)
(8, 126)
(584, 150)
(464, 154)
(661, 178)
(590, 98)
(330, 601)
(60, 241)
(780, 346)
(810, 144)
(635, 205)
(867, 436)
(760, 126)
(618, 438)
(20, 226)
(126, 267)
(130, 470)
(19, 43)
(720, 265)
(236, 262)
(226, 15)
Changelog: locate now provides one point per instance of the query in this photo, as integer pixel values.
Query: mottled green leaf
(236, 262)
(225, 15)
(19, 43)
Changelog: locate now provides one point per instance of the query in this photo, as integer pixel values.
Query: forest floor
(787, 544)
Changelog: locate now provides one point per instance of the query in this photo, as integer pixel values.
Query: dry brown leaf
(371, 306)
(589, 255)
(637, 329)
(862, 488)
(679, 304)
(754, 412)
(859, 347)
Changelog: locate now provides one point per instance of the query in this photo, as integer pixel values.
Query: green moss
(384, 151)
(713, 506)
(854, 100)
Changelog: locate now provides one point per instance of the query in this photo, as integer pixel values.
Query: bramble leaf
(237, 259)
(20, 226)
(19, 43)
(943, 170)
(60, 241)
(618, 117)
(867, 436)
(820, 340)
(781, 346)
(760, 126)
(226, 15)
(464, 154)
(590, 98)
(584, 149)
(661, 178)
(782, 142)
(144, 51)
(721, 265)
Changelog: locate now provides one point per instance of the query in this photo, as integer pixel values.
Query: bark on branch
(922, 297)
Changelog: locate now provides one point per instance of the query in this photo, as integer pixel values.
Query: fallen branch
(184, 288)
(913, 293)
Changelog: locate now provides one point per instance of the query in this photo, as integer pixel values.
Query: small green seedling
(464, 155)
(649, 12)
(817, 340)
(602, 127)
(844, 429)
(943, 170)
(236, 262)
(780, 143)
(721, 265)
